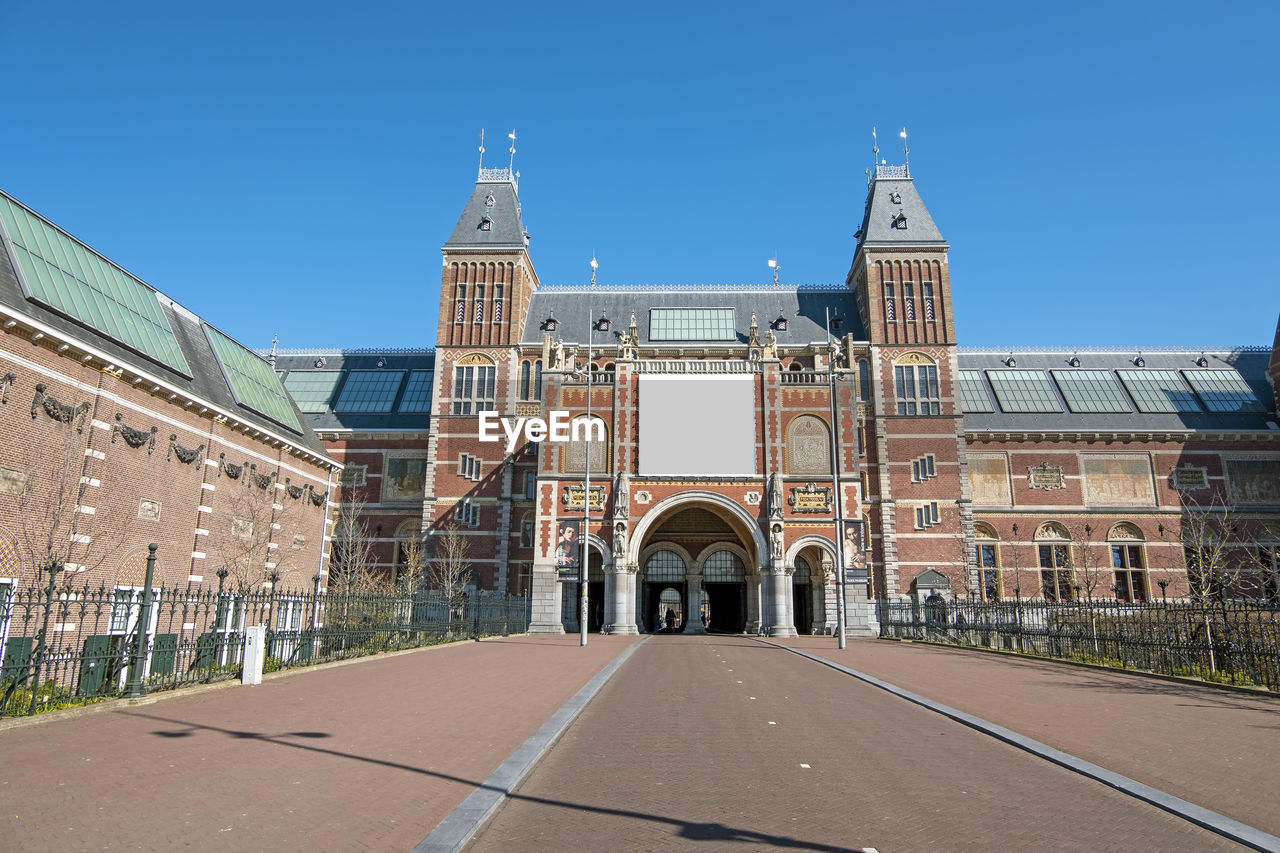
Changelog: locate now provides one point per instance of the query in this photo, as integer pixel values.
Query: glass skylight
(1159, 391)
(253, 383)
(312, 390)
(72, 279)
(369, 391)
(1223, 391)
(1024, 391)
(691, 324)
(973, 393)
(1091, 391)
(417, 394)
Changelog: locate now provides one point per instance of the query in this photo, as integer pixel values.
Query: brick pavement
(702, 743)
(365, 756)
(1218, 749)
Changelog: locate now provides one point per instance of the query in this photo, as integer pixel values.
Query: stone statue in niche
(775, 495)
(622, 495)
(619, 542)
(775, 538)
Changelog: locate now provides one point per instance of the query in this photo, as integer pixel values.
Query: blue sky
(1105, 173)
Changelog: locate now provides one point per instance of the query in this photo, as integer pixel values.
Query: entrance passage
(802, 596)
(725, 582)
(664, 607)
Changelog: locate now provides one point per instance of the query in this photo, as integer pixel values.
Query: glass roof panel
(1091, 391)
(1159, 391)
(71, 287)
(973, 393)
(312, 390)
(1024, 391)
(417, 394)
(691, 324)
(369, 391)
(1223, 391)
(253, 383)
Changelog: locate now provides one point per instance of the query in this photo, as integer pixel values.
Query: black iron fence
(75, 646)
(1229, 642)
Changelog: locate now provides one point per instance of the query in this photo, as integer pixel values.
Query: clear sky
(1104, 172)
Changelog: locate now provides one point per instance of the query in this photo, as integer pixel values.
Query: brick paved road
(367, 756)
(700, 744)
(1218, 749)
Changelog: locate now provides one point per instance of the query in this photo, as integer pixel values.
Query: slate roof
(803, 307)
(1250, 363)
(301, 362)
(878, 228)
(206, 382)
(495, 201)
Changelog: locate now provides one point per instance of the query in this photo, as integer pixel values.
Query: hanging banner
(854, 547)
(568, 550)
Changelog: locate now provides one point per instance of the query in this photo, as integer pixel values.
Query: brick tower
(918, 489)
(485, 287)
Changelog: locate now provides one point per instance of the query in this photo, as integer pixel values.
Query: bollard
(255, 653)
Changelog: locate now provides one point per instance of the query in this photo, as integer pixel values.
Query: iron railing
(76, 646)
(1234, 642)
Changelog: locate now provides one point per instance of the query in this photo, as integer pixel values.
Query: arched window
(864, 380)
(804, 572)
(473, 384)
(1129, 562)
(1053, 548)
(526, 530)
(987, 559)
(409, 560)
(808, 446)
(723, 567)
(537, 380)
(915, 384)
(664, 566)
(582, 433)
(526, 369)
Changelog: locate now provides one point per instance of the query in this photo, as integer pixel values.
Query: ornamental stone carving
(133, 437)
(58, 411)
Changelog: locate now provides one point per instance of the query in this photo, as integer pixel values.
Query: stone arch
(1052, 530)
(914, 358)
(732, 547)
(825, 545)
(984, 530)
(606, 553)
(747, 523)
(132, 570)
(663, 545)
(1125, 530)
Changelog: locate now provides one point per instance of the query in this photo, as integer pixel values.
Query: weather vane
(906, 152)
(512, 149)
(482, 149)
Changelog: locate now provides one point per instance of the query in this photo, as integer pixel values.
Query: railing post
(136, 688)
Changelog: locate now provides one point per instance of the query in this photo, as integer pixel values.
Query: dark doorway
(728, 605)
(802, 606)
(595, 606)
(655, 607)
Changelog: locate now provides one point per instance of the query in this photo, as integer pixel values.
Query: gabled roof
(391, 391)
(491, 218)
(804, 308)
(890, 197)
(79, 294)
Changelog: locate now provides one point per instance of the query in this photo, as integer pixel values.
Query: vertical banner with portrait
(854, 550)
(568, 550)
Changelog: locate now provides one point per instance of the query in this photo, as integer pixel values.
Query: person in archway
(671, 619)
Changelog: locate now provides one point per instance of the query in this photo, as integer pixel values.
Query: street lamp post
(835, 482)
(586, 491)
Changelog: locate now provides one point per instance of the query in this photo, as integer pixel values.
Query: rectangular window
(469, 467)
(916, 387)
(1055, 572)
(1159, 391)
(1091, 391)
(691, 324)
(526, 532)
(531, 485)
(312, 390)
(1223, 391)
(473, 389)
(1130, 582)
(1024, 391)
(369, 391)
(927, 515)
(417, 394)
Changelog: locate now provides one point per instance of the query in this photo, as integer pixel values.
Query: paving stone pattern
(365, 756)
(1218, 749)
(700, 744)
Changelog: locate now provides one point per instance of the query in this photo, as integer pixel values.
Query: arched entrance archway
(706, 546)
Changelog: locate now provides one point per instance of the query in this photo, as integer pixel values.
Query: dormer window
(486, 224)
(550, 324)
(781, 323)
(900, 221)
(489, 200)
(896, 198)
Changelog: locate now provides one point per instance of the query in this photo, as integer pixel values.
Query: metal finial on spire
(875, 147)
(275, 339)
(776, 267)
(482, 149)
(906, 152)
(512, 149)
(594, 265)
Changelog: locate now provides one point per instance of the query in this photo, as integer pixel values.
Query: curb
(1189, 811)
(461, 825)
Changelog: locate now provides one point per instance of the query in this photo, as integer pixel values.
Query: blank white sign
(697, 426)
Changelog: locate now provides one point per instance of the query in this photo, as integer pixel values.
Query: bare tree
(1091, 575)
(449, 570)
(351, 563)
(412, 562)
(1216, 552)
(257, 512)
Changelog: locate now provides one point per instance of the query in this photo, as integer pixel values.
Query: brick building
(126, 420)
(961, 472)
